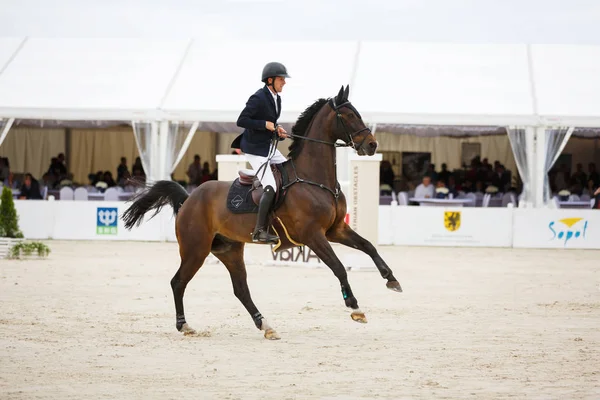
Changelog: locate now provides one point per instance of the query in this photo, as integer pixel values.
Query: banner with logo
(557, 229)
(460, 226)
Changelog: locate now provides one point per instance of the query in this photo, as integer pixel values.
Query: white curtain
(178, 141)
(556, 140)
(143, 132)
(161, 147)
(518, 142)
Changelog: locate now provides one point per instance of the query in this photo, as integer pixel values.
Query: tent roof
(210, 80)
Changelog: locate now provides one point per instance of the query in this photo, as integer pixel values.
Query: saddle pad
(239, 199)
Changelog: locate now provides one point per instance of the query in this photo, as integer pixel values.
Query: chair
(111, 194)
(585, 197)
(385, 200)
(486, 200)
(471, 196)
(402, 199)
(81, 194)
(44, 192)
(66, 193)
(508, 198)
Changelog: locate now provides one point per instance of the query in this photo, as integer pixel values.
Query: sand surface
(96, 320)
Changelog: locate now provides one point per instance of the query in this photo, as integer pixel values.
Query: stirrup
(263, 236)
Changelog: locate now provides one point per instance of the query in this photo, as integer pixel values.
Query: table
(575, 204)
(433, 202)
(101, 196)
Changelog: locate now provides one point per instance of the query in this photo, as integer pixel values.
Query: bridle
(339, 121)
(349, 143)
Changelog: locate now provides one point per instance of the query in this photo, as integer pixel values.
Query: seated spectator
(98, 178)
(590, 188)
(30, 190)
(108, 178)
(500, 179)
(453, 187)
(441, 191)
(424, 190)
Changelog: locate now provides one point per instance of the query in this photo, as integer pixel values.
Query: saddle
(244, 196)
(246, 191)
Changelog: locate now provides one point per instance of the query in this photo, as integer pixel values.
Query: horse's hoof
(187, 331)
(394, 285)
(271, 334)
(359, 316)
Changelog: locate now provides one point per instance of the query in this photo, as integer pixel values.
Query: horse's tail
(154, 197)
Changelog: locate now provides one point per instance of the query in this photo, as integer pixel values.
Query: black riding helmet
(273, 69)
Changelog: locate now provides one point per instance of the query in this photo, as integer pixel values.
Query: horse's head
(349, 126)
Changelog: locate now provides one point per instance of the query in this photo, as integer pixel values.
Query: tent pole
(6, 129)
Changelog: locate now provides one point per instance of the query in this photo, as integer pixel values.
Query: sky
(456, 21)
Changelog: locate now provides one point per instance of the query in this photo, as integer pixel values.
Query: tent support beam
(6, 129)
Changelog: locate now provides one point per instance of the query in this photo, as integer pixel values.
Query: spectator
(30, 190)
(4, 170)
(444, 174)
(593, 174)
(425, 189)
(122, 170)
(194, 171)
(579, 176)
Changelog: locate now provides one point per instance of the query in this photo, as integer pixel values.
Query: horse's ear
(346, 93)
(339, 99)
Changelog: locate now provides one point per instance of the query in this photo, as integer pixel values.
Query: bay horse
(310, 212)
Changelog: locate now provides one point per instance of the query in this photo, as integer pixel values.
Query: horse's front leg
(319, 244)
(345, 235)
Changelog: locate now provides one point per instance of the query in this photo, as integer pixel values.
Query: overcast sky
(465, 21)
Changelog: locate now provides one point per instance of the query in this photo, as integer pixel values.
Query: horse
(310, 209)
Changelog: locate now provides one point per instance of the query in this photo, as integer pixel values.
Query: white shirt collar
(274, 98)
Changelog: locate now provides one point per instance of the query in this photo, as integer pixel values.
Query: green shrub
(9, 220)
(28, 248)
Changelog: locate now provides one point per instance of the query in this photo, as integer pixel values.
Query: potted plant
(11, 238)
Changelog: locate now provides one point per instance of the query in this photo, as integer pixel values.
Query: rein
(339, 120)
(349, 143)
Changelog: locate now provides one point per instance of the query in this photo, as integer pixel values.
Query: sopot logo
(568, 229)
(452, 220)
(106, 220)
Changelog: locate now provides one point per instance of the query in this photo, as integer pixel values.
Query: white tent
(393, 84)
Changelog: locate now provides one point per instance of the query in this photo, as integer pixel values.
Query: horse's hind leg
(348, 237)
(190, 264)
(233, 258)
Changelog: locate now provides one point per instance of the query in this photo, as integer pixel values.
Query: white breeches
(266, 175)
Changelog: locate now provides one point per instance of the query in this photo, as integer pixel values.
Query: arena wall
(398, 225)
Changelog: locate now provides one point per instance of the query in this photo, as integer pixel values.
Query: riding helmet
(274, 69)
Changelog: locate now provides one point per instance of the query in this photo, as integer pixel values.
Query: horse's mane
(300, 128)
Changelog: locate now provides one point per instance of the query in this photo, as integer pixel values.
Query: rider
(259, 120)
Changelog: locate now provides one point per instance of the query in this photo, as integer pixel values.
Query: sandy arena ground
(96, 320)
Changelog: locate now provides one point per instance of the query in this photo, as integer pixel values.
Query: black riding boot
(261, 231)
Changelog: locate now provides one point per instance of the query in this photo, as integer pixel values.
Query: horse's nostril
(373, 145)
